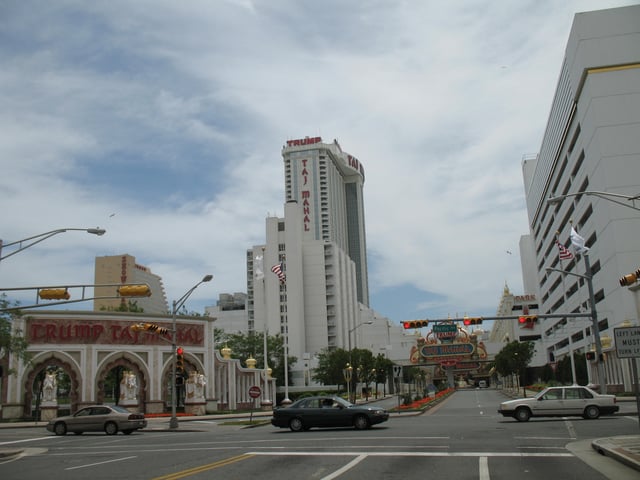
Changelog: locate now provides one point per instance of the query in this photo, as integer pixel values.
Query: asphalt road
(463, 438)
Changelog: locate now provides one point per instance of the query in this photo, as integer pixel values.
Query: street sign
(255, 392)
(627, 341)
(397, 371)
(445, 328)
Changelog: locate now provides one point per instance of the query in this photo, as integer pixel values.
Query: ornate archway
(41, 363)
(131, 364)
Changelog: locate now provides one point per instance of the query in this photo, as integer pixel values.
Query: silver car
(561, 402)
(110, 419)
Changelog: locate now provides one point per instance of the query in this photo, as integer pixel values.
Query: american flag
(277, 269)
(565, 253)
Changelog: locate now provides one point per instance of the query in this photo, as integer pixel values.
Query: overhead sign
(627, 341)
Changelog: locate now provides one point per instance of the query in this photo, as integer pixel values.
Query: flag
(578, 242)
(277, 269)
(258, 267)
(565, 253)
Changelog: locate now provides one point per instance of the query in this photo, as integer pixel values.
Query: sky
(163, 122)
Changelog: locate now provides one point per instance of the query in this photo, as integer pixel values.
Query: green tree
(12, 341)
(514, 358)
(244, 346)
(331, 365)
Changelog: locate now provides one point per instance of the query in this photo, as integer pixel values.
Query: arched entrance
(109, 377)
(69, 383)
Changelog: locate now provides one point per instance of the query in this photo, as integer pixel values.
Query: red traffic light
(472, 321)
(414, 324)
(180, 351)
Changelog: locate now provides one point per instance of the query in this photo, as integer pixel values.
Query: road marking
(417, 454)
(204, 468)
(27, 440)
(345, 468)
(101, 463)
(483, 467)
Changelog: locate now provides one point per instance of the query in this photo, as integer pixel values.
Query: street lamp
(366, 322)
(43, 236)
(604, 195)
(594, 318)
(173, 423)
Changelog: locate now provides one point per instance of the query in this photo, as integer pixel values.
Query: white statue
(195, 387)
(131, 386)
(201, 382)
(50, 388)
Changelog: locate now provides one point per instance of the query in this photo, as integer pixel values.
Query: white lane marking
(417, 454)
(483, 468)
(345, 468)
(101, 463)
(27, 440)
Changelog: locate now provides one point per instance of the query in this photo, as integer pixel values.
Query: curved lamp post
(43, 236)
(612, 197)
(173, 423)
(594, 319)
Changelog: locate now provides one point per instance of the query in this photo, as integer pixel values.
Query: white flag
(258, 267)
(578, 242)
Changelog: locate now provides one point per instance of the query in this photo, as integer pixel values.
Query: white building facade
(591, 144)
(321, 245)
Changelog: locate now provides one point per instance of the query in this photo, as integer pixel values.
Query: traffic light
(630, 279)
(134, 291)
(151, 327)
(472, 321)
(527, 321)
(591, 356)
(54, 294)
(180, 360)
(414, 324)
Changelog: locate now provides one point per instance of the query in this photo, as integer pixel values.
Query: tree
(331, 365)
(244, 346)
(514, 358)
(12, 341)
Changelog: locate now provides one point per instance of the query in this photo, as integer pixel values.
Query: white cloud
(173, 117)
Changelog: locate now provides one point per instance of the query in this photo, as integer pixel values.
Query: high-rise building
(327, 183)
(320, 246)
(590, 159)
(123, 269)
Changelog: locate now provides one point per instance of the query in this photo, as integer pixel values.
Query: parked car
(109, 419)
(327, 411)
(560, 402)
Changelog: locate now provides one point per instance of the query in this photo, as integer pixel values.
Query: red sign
(303, 141)
(255, 392)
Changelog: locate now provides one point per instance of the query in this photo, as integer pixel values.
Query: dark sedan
(110, 419)
(326, 412)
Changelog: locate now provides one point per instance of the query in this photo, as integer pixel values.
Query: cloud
(174, 116)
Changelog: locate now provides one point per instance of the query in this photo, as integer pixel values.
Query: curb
(625, 449)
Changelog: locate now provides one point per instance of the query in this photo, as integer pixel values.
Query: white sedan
(561, 402)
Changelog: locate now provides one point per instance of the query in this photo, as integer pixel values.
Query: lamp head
(207, 278)
(96, 231)
(555, 200)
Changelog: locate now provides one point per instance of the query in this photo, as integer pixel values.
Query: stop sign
(255, 392)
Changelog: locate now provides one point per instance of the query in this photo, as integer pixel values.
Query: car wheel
(296, 425)
(591, 412)
(110, 428)
(60, 429)
(361, 422)
(523, 414)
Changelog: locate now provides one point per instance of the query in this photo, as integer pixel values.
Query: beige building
(123, 269)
